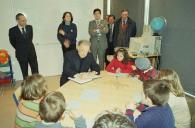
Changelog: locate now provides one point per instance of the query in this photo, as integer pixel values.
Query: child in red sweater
(120, 63)
(144, 69)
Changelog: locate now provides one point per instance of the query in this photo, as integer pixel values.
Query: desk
(113, 92)
(154, 58)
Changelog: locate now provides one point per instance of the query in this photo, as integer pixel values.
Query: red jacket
(114, 64)
(149, 75)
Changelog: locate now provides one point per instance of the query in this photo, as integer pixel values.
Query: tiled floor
(8, 107)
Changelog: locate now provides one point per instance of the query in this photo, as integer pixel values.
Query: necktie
(23, 33)
(110, 36)
(124, 22)
(123, 25)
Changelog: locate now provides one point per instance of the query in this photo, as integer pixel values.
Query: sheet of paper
(138, 97)
(90, 94)
(73, 104)
(121, 74)
(118, 74)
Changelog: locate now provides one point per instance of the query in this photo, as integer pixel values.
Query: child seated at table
(120, 63)
(33, 88)
(177, 100)
(144, 69)
(113, 120)
(158, 114)
(51, 110)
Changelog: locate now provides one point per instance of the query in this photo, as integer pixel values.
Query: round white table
(106, 93)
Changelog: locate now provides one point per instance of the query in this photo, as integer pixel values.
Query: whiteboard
(46, 15)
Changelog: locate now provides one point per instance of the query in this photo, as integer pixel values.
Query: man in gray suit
(98, 29)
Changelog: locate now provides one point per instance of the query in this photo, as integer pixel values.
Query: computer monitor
(150, 45)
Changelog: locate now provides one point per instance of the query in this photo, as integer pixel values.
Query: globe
(157, 24)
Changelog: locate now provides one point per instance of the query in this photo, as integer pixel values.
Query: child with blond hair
(177, 100)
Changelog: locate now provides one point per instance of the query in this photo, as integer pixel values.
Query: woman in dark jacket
(67, 33)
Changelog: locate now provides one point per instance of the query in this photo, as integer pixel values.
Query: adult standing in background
(125, 28)
(67, 33)
(21, 37)
(98, 29)
(110, 36)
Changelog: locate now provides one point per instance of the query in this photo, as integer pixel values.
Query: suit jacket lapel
(27, 31)
(94, 24)
(20, 33)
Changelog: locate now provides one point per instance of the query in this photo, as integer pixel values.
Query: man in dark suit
(21, 37)
(125, 28)
(110, 36)
(79, 61)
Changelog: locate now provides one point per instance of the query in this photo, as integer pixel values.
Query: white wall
(45, 16)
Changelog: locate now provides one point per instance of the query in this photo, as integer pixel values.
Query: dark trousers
(72, 47)
(32, 61)
(109, 51)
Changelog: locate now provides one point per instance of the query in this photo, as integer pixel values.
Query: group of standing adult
(105, 35)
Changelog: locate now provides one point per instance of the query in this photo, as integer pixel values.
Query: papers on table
(84, 79)
(87, 94)
(73, 104)
(90, 94)
(138, 97)
(119, 74)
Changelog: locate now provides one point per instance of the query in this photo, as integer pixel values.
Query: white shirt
(20, 27)
(112, 27)
(180, 111)
(124, 20)
(98, 21)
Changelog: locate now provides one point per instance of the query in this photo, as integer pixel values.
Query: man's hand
(93, 73)
(62, 32)
(83, 75)
(76, 75)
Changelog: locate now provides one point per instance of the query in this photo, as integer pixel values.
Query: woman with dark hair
(67, 33)
(121, 62)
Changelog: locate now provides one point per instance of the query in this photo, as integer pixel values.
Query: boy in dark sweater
(158, 114)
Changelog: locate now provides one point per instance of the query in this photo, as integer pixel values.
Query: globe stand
(156, 34)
